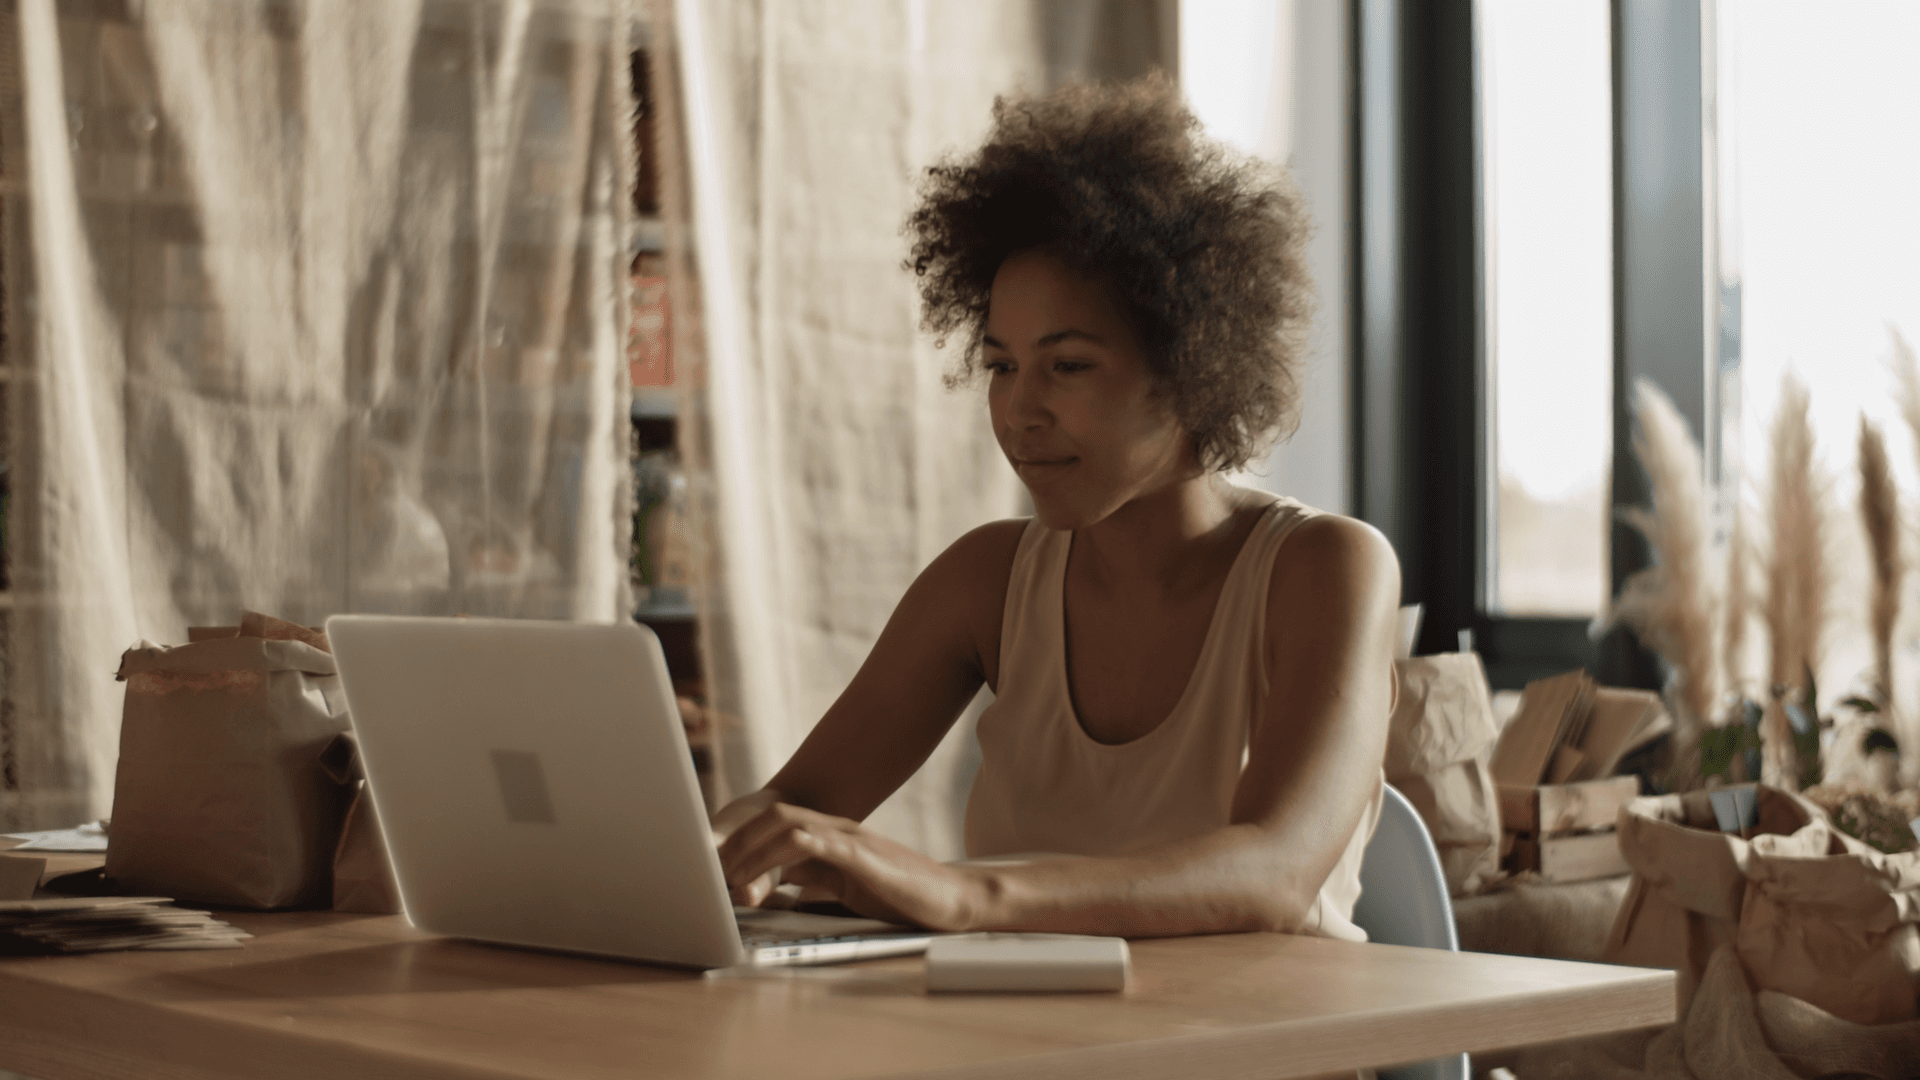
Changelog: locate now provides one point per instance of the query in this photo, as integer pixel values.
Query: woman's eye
(999, 367)
(1067, 367)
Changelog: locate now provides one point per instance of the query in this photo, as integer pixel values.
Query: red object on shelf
(649, 333)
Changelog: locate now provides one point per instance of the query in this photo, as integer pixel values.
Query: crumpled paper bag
(1439, 745)
(1730, 1031)
(362, 871)
(1809, 911)
(219, 796)
(1833, 922)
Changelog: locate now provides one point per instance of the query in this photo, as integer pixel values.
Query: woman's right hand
(738, 813)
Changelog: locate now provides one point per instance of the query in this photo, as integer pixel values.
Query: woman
(1192, 680)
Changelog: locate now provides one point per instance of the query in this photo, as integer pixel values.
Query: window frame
(1422, 424)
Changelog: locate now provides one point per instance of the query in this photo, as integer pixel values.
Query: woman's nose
(1026, 401)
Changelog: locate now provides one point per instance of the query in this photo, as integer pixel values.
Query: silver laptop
(535, 788)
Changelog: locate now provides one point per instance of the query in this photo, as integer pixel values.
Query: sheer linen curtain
(310, 308)
(830, 463)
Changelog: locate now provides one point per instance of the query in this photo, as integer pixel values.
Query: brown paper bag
(1439, 743)
(219, 796)
(362, 872)
(1811, 912)
(1831, 921)
(253, 624)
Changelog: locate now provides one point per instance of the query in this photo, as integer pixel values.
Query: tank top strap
(1031, 628)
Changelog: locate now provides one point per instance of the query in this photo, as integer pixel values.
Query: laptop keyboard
(765, 936)
(762, 927)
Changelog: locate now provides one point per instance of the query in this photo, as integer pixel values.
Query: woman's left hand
(858, 867)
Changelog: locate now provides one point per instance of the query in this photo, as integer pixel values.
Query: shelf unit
(654, 413)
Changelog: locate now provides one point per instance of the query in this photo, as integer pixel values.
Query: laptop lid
(534, 785)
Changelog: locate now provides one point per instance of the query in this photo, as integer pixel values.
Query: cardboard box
(1560, 808)
(1565, 832)
(1569, 857)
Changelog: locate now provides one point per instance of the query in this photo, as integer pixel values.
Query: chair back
(1403, 892)
(1403, 901)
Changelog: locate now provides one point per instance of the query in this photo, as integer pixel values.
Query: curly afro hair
(1204, 248)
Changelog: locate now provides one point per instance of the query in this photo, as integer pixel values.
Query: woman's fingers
(786, 849)
(817, 880)
(777, 820)
(756, 849)
(754, 893)
(746, 834)
(813, 851)
(740, 811)
(822, 853)
(761, 861)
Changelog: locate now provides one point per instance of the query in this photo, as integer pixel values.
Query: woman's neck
(1169, 539)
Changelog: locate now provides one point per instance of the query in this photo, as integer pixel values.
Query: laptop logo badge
(523, 787)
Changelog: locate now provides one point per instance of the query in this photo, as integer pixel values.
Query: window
(1757, 159)
(1819, 231)
(1546, 166)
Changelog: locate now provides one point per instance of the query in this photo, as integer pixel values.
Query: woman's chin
(1062, 515)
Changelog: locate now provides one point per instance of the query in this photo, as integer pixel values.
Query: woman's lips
(1041, 467)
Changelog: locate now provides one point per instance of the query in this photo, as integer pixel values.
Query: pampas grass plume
(1796, 576)
(1738, 606)
(1880, 514)
(1906, 372)
(1671, 604)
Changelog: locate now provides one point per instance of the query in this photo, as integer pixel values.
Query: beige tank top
(1045, 785)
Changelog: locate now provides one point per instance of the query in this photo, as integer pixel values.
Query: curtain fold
(829, 461)
(309, 308)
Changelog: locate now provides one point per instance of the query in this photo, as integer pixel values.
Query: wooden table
(334, 996)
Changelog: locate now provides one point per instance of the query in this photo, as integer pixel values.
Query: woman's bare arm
(1314, 759)
(939, 645)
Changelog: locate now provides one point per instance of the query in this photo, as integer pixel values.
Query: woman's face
(1071, 401)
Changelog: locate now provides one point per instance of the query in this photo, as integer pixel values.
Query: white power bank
(1027, 963)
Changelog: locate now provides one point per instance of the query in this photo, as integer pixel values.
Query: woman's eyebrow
(1054, 338)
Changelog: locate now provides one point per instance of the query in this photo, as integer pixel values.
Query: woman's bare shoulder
(1334, 558)
(1327, 540)
(966, 587)
(989, 547)
(976, 566)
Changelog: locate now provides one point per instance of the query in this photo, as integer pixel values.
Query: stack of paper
(1543, 737)
(101, 923)
(1623, 721)
(90, 837)
(1568, 729)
